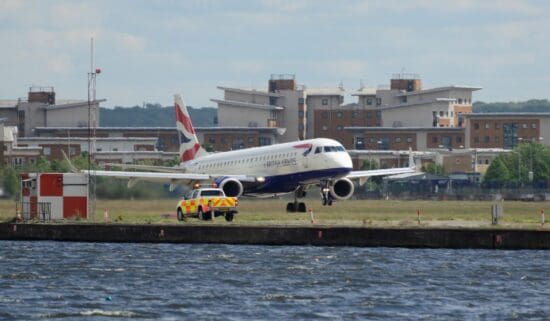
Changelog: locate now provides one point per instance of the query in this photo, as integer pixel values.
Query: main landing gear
(326, 198)
(297, 206)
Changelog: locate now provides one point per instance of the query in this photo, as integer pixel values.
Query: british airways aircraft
(293, 167)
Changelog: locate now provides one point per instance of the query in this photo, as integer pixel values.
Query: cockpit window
(329, 149)
(318, 150)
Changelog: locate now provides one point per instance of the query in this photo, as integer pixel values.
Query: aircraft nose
(343, 160)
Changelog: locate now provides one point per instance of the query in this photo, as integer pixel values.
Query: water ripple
(87, 281)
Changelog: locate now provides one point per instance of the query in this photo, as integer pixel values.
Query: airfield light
(98, 70)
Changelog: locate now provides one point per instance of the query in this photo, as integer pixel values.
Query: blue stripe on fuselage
(289, 182)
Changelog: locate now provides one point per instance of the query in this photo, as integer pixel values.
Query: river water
(87, 281)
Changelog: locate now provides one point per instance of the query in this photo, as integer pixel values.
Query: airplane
(293, 167)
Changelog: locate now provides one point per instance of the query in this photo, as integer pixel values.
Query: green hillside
(530, 106)
(154, 115)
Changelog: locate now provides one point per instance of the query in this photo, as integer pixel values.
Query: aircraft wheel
(324, 201)
(329, 202)
(290, 208)
(229, 216)
(302, 207)
(180, 215)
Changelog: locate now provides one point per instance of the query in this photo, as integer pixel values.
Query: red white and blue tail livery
(189, 144)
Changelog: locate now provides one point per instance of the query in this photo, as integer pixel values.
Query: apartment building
(406, 104)
(284, 105)
(506, 130)
(43, 109)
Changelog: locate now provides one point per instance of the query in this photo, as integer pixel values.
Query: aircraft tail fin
(189, 144)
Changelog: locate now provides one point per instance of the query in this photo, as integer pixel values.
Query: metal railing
(42, 212)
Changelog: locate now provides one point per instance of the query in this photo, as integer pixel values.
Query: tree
(10, 181)
(434, 169)
(369, 164)
(497, 174)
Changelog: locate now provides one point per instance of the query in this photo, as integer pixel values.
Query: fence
(42, 212)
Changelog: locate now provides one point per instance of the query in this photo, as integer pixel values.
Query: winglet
(71, 166)
(412, 164)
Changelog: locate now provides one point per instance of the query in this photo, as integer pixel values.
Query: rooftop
(404, 129)
(247, 105)
(438, 89)
(506, 114)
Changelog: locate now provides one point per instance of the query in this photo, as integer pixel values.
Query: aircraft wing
(379, 172)
(151, 168)
(167, 177)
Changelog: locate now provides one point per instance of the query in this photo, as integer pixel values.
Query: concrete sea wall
(282, 235)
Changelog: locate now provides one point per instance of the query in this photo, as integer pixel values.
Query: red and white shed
(54, 196)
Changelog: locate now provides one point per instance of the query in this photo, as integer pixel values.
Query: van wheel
(180, 215)
(229, 216)
(201, 214)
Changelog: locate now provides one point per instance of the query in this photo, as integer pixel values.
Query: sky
(149, 50)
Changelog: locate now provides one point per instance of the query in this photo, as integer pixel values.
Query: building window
(211, 140)
(397, 140)
(378, 114)
(487, 125)
(497, 139)
(324, 101)
(301, 127)
(324, 115)
(486, 139)
(223, 140)
(324, 127)
(339, 114)
(47, 151)
(72, 150)
(476, 139)
(369, 115)
(369, 101)
(301, 114)
(339, 128)
(476, 125)
(115, 149)
(378, 101)
(524, 125)
(371, 140)
(251, 140)
(409, 139)
(459, 139)
(354, 114)
(300, 101)
(238, 143)
(533, 125)
(174, 139)
(434, 139)
(497, 125)
(459, 101)
(264, 141)
(441, 114)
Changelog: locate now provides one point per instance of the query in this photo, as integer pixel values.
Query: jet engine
(342, 189)
(231, 187)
